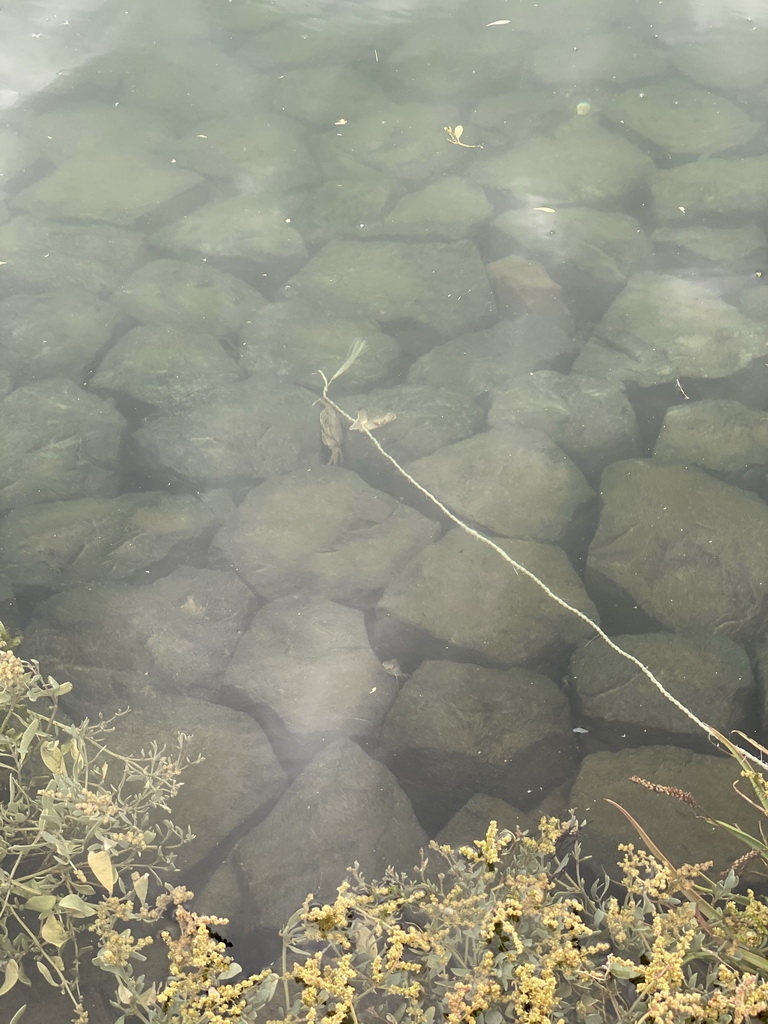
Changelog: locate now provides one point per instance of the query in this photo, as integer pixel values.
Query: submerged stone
(62, 543)
(45, 255)
(122, 186)
(56, 334)
(661, 327)
(687, 550)
(439, 285)
(456, 730)
(514, 482)
(580, 163)
(305, 670)
(58, 442)
(679, 117)
(189, 296)
(321, 532)
(721, 436)
(343, 807)
(591, 420)
(711, 675)
(458, 597)
(164, 366)
(242, 431)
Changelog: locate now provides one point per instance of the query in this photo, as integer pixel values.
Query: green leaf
(100, 863)
(43, 902)
(53, 932)
(11, 977)
(140, 886)
(744, 837)
(27, 737)
(624, 970)
(46, 973)
(76, 906)
(53, 759)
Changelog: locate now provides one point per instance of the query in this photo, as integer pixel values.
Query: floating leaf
(53, 759)
(365, 422)
(100, 863)
(76, 906)
(11, 977)
(53, 932)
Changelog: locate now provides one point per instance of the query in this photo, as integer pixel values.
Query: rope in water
(521, 569)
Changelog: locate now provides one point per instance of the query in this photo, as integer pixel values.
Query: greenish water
(204, 203)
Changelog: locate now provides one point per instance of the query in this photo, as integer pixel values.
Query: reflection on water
(545, 221)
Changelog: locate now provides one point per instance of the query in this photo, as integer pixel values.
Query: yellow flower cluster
(97, 805)
(644, 875)
(131, 838)
(13, 674)
(535, 995)
(488, 849)
(119, 946)
(746, 925)
(740, 997)
(326, 989)
(197, 962)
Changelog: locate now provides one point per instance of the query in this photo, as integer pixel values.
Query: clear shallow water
(207, 203)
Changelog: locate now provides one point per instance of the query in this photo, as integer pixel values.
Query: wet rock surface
(101, 538)
(513, 482)
(58, 442)
(711, 675)
(442, 285)
(305, 670)
(456, 730)
(688, 550)
(509, 620)
(346, 802)
(661, 328)
(322, 532)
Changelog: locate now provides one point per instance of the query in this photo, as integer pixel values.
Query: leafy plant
(78, 822)
(506, 929)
